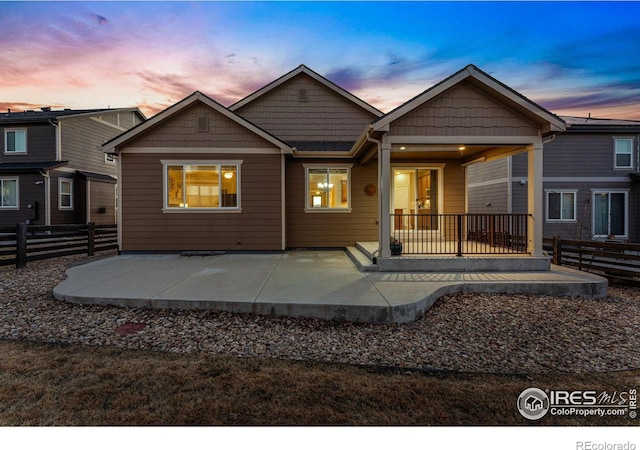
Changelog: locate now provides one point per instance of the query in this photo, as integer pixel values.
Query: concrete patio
(314, 284)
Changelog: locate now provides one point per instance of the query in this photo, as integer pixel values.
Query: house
(52, 170)
(590, 181)
(533, 403)
(302, 162)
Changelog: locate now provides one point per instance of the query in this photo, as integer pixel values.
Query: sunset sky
(573, 58)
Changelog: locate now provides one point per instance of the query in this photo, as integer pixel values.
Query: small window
(561, 206)
(328, 188)
(65, 193)
(202, 186)
(624, 153)
(15, 141)
(203, 124)
(9, 191)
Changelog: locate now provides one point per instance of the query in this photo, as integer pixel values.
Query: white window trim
(12, 208)
(595, 192)
(199, 162)
(615, 153)
(26, 143)
(575, 205)
(60, 181)
(310, 209)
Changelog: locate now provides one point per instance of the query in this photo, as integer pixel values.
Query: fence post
(21, 245)
(557, 251)
(459, 235)
(91, 238)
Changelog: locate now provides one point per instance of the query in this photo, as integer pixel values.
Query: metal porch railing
(460, 234)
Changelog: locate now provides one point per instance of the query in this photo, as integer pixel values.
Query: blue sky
(573, 58)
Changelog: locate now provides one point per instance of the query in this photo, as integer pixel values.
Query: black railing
(460, 234)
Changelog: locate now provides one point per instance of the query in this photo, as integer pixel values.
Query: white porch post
(534, 196)
(385, 199)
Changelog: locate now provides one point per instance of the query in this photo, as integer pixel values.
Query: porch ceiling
(464, 153)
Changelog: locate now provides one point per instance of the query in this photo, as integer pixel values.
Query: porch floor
(364, 254)
(312, 284)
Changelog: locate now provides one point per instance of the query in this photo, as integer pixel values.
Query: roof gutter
(549, 139)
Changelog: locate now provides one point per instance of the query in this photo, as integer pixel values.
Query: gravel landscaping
(461, 332)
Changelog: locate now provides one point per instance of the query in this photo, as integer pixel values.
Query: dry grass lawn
(59, 385)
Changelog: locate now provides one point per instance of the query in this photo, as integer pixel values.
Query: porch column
(385, 199)
(534, 197)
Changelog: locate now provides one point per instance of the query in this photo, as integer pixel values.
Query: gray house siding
(29, 193)
(82, 138)
(41, 144)
(102, 205)
(576, 161)
(75, 215)
(488, 184)
(71, 142)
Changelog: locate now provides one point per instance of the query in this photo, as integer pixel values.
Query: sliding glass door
(609, 213)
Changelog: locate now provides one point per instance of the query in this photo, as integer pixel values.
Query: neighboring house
(591, 177)
(304, 163)
(52, 169)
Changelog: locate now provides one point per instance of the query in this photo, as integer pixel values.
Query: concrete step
(361, 259)
(480, 264)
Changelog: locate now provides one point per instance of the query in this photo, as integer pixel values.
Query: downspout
(47, 203)
(58, 127)
(379, 146)
(638, 153)
(47, 197)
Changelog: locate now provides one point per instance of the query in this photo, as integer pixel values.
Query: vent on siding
(303, 95)
(203, 124)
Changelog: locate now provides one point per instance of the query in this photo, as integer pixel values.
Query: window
(610, 212)
(15, 141)
(205, 185)
(327, 187)
(561, 206)
(624, 153)
(203, 124)
(65, 193)
(9, 191)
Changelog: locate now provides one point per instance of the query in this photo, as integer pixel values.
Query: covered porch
(423, 149)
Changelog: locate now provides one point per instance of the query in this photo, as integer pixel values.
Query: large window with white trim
(15, 141)
(9, 198)
(561, 206)
(328, 187)
(204, 186)
(623, 153)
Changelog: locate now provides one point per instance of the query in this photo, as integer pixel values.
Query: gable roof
(482, 79)
(45, 114)
(302, 69)
(197, 96)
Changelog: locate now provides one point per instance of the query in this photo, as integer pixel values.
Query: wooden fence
(24, 243)
(616, 261)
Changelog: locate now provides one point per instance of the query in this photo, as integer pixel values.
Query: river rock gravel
(491, 333)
